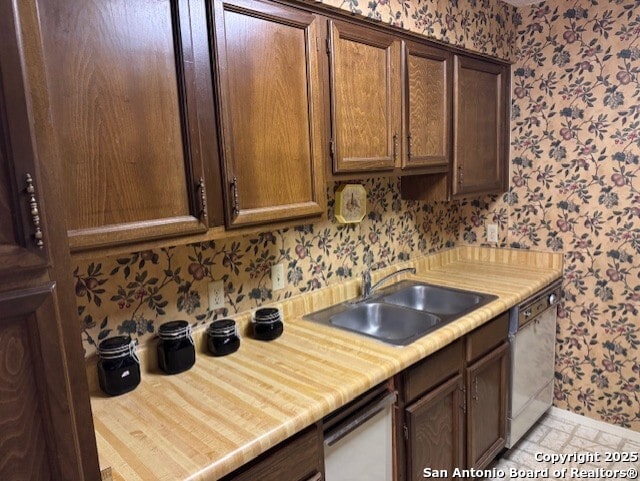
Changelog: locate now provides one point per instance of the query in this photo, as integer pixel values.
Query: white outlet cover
(216, 295)
(277, 276)
(492, 233)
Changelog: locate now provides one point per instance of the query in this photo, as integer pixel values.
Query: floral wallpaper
(575, 153)
(486, 26)
(136, 293)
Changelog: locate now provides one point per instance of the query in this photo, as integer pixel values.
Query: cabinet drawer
(486, 337)
(296, 459)
(435, 369)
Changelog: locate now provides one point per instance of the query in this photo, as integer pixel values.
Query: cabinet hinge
(332, 147)
(328, 45)
(464, 400)
(405, 430)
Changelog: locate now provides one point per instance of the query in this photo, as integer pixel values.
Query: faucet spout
(368, 289)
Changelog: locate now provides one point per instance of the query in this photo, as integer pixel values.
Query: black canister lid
(116, 347)
(222, 327)
(174, 330)
(266, 315)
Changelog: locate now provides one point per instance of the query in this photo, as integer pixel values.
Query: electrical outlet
(277, 276)
(492, 233)
(216, 295)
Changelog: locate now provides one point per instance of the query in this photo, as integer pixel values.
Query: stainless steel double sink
(403, 312)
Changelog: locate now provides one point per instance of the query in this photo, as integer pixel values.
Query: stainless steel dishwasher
(532, 335)
(358, 438)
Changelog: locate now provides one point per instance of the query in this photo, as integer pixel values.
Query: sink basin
(402, 313)
(386, 322)
(435, 299)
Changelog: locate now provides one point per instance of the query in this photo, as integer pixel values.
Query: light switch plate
(277, 276)
(492, 233)
(216, 295)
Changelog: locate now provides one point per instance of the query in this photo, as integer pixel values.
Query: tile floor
(562, 432)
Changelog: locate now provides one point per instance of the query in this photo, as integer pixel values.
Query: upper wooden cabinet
(45, 418)
(122, 80)
(480, 135)
(390, 101)
(427, 106)
(365, 83)
(480, 126)
(269, 90)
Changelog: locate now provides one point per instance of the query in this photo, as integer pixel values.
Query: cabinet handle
(203, 200)
(35, 213)
(410, 145)
(395, 146)
(475, 388)
(460, 175)
(236, 200)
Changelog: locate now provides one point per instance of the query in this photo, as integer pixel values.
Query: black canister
(267, 324)
(176, 350)
(119, 366)
(222, 337)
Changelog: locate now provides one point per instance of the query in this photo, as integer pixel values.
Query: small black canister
(222, 337)
(119, 366)
(176, 350)
(267, 324)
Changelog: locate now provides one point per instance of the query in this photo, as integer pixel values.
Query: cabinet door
(480, 126)
(365, 98)
(22, 241)
(435, 430)
(487, 390)
(121, 82)
(37, 441)
(427, 106)
(269, 89)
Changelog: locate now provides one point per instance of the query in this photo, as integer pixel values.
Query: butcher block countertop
(225, 411)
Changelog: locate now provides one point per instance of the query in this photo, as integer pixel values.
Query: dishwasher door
(532, 365)
(360, 448)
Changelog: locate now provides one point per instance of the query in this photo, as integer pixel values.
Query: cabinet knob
(34, 210)
(552, 299)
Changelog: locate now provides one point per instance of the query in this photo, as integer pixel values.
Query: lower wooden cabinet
(435, 430)
(487, 407)
(299, 458)
(453, 405)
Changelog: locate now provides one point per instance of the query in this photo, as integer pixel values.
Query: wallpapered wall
(574, 189)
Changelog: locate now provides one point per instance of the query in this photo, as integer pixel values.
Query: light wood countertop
(208, 421)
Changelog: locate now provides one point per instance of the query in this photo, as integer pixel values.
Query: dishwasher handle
(358, 419)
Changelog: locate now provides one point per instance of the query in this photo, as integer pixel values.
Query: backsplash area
(136, 293)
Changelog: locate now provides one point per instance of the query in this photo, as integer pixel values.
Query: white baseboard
(592, 423)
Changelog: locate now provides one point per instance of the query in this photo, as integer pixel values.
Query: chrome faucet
(367, 288)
